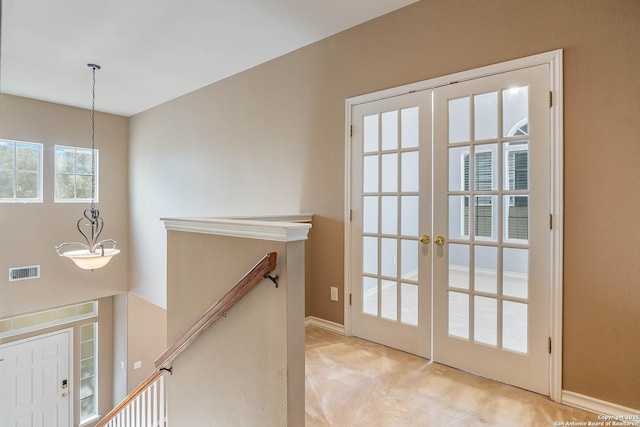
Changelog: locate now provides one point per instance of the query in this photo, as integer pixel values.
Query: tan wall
(248, 368)
(199, 155)
(146, 338)
(29, 232)
(105, 355)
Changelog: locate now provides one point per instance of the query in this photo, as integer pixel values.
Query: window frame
(95, 175)
(39, 179)
(95, 396)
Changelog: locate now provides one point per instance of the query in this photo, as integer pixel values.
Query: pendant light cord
(93, 138)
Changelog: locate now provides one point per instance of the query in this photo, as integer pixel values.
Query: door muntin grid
(390, 206)
(488, 209)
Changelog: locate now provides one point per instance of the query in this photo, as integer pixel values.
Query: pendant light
(93, 254)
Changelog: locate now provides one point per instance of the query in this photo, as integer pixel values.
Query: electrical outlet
(334, 293)
(137, 365)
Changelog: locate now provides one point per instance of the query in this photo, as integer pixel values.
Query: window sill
(89, 420)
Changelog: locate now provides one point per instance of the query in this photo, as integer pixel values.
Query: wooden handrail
(265, 266)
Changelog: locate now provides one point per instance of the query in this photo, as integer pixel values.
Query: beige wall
(248, 368)
(199, 155)
(146, 338)
(29, 232)
(105, 355)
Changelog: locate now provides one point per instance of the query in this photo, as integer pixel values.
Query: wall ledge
(278, 228)
(598, 406)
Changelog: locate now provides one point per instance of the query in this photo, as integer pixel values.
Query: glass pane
(459, 120)
(486, 218)
(87, 407)
(486, 115)
(459, 217)
(516, 218)
(410, 126)
(370, 136)
(486, 269)
(24, 321)
(389, 300)
(27, 157)
(514, 326)
(370, 295)
(370, 255)
(485, 320)
(389, 213)
(410, 177)
(370, 214)
(516, 166)
(515, 111)
(390, 173)
(370, 174)
(65, 160)
(458, 266)
(409, 304)
(5, 326)
(7, 184)
(7, 155)
(459, 168)
(83, 186)
(45, 317)
(389, 257)
(459, 315)
(515, 272)
(86, 308)
(65, 312)
(409, 259)
(65, 186)
(87, 368)
(26, 185)
(87, 387)
(83, 162)
(390, 130)
(87, 349)
(409, 218)
(485, 169)
(87, 332)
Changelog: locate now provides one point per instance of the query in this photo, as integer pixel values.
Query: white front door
(35, 382)
(391, 212)
(492, 225)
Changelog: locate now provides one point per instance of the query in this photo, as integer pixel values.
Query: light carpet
(351, 382)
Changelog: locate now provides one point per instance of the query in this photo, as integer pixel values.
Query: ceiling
(152, 51)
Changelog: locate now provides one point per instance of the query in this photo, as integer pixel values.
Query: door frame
(69, 332)
(554, 60)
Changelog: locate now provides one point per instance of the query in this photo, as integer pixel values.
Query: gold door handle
(439, 241)
(424, 239)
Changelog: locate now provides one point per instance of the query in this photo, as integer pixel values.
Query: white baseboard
(595, 405)
(324, 324)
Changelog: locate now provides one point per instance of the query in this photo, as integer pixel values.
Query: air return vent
(24, 273)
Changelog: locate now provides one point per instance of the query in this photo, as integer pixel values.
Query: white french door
(391, 212)
(492, 221)
(450, 234)
(35, 382)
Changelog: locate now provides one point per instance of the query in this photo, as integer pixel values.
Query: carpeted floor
(356, 383)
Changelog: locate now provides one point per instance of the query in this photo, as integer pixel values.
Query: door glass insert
(459, 314)
(370, 133)
(390, 130)
(389, 223)
(409, 308)
(486, 115)
(389, 300)
(458, 266)
(370, 255)
(410, 125)
(514, 326)
(485, 322)
(486, 269)
(390, 173)
(370, 295)
(409, 220)
(410, 178)
(409, 255)
(515, 111)
(486, 217)
(459, 120)
(370, 214)
(515, 272)
(370, 174)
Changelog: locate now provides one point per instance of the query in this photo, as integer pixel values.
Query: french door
(35, 382)
(450, 234)
(391, 220)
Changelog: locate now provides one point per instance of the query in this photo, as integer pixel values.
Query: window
(46, 319)
(20, 172)
(88, 372)
(483, 178)
(74, 174)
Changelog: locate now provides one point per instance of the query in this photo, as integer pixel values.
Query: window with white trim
(88, 372)
(20, 172)
(483, 178)
(74, 172)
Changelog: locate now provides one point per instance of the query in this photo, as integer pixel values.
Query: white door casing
(32, 376)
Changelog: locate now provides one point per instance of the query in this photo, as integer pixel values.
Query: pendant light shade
(93, 254)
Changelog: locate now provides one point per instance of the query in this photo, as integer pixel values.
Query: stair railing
(146, 406)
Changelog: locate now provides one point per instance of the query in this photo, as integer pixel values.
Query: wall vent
(24, 273)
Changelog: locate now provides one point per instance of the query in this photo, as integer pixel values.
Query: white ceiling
(152, 51)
